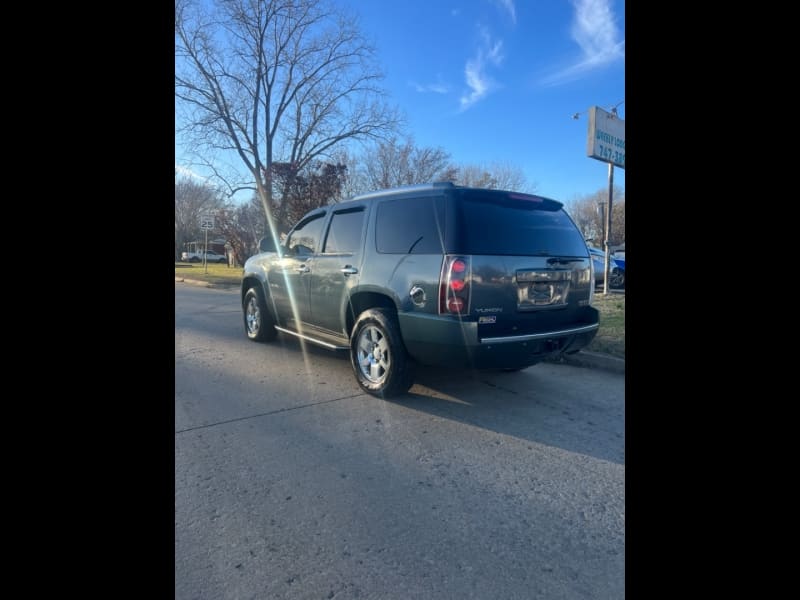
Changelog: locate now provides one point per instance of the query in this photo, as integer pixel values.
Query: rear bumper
(443, 341)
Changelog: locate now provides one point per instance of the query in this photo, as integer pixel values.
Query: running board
(312, 340)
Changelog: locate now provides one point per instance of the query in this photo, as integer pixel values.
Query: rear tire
(380, 362)
(617, 278)
(258, 323)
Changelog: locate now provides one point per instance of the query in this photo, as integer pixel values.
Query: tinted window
(500, 223)
(410, 226)
(304, 240)
(344, 234)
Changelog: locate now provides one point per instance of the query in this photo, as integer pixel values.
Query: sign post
(606, 142)
(206, 223)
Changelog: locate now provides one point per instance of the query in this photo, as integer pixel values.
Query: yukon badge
(489, 310)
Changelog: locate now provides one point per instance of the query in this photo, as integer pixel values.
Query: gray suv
(435, 274)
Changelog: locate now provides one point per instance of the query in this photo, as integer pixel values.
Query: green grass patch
(610, 339)
(218, 274)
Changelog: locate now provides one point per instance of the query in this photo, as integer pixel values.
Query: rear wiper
(562, 261)
(419, 239)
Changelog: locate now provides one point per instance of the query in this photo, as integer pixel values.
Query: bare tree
(191, 200)
(353, 182)
(242, 226)
(588, 214)
(273, 81)
(496, 176)
(393, 163)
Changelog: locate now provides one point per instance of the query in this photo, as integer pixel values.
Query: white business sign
(606, 140)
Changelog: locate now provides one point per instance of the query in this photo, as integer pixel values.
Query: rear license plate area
(545, 288)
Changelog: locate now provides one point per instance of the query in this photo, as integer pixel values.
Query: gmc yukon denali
(435, 274)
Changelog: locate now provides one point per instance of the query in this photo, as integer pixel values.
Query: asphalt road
(291, 483)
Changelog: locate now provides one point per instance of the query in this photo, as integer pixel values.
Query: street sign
(207, 222)
(606, 140)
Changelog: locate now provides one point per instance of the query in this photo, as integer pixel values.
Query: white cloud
(595, 31)
(477, 78)
(509, 6)
(189, 173)
(436, 88)
(477, 83)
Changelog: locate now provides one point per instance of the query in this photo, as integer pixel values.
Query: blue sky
(500, 80)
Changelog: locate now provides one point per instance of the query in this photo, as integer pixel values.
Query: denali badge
(491, 319)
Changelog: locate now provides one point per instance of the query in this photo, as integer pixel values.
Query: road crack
(267, 414)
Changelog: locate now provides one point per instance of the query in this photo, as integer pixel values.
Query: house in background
(217, 246)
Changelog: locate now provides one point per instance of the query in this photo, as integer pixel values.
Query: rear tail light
(454, 285)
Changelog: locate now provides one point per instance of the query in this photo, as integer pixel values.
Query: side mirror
(267, 244)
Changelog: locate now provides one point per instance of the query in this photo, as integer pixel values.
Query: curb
(194, 282)
(594, 360)
(221, 286)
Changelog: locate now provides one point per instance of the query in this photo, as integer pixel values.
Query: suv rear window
(499, 223)
(410, 226)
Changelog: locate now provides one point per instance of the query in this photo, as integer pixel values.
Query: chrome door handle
(302, 269)
(348, 270)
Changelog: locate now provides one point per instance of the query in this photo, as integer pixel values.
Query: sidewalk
(583, 358)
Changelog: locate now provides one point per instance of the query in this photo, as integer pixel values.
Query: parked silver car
(598, 258)
(211, 257)
(616, 267)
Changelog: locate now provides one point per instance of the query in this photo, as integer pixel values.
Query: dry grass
(610, 339)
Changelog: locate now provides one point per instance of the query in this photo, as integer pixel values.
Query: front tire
(381, 364)
(258, 323)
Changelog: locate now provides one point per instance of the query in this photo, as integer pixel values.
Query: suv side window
(410, 226)
(304, 240)
(344, 233)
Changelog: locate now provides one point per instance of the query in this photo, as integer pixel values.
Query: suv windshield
(498, 223)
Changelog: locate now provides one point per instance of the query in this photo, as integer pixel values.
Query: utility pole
(607, 228)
